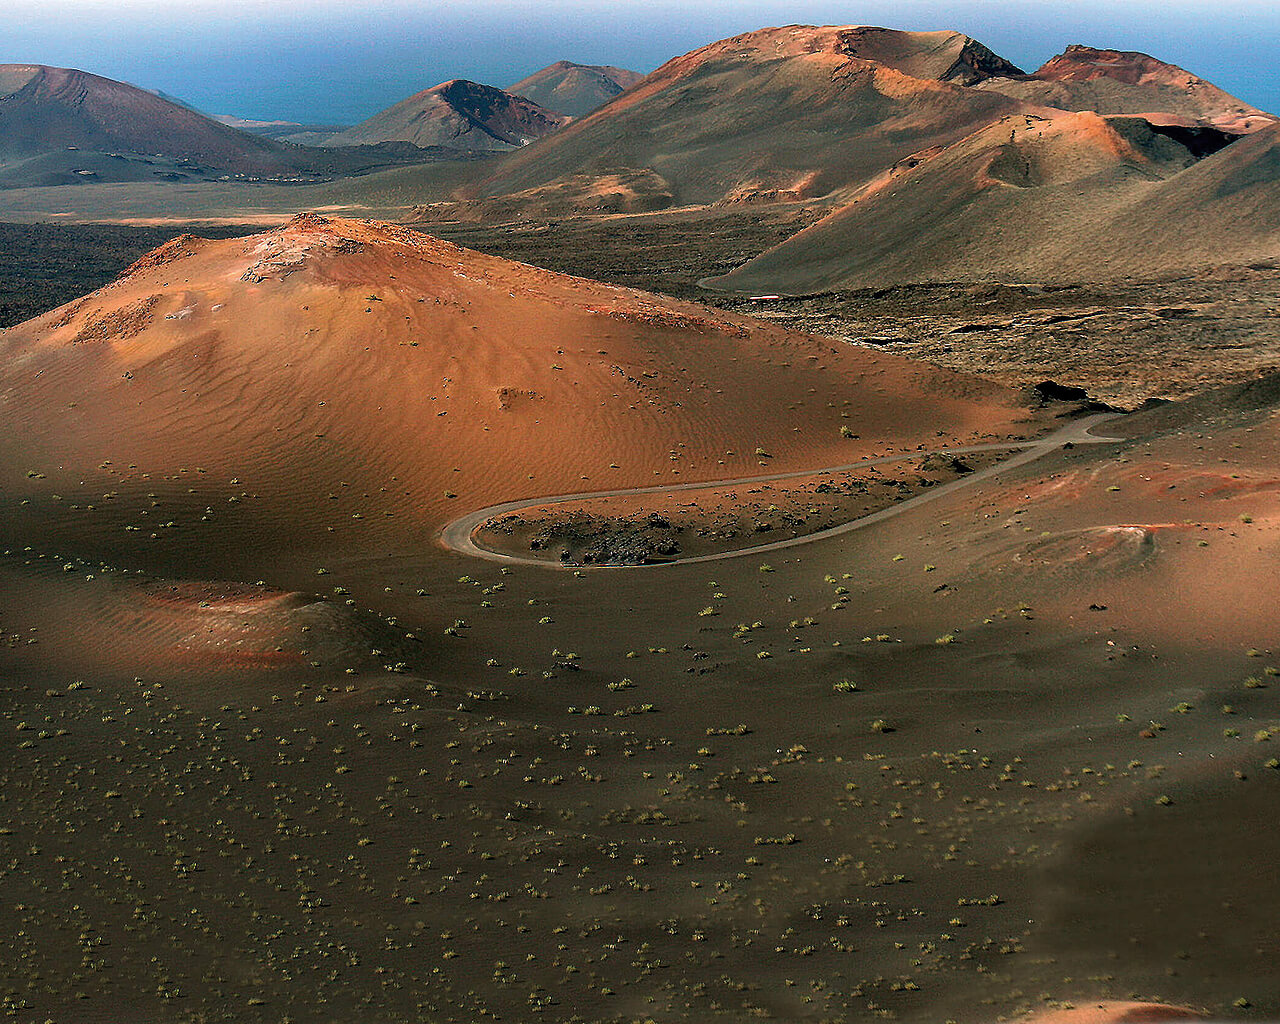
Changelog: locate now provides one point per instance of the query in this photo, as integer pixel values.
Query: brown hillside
(1125, 82)
(800, 109)
(340, 384)
(459, 115)
(44, 109)
(575, 89)
(1075, 197)
(60, 126)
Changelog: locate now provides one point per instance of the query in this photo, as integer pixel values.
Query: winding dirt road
(459, 535)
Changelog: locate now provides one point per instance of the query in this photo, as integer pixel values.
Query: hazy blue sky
(338, 61)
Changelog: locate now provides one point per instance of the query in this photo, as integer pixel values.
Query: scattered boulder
(940, 462)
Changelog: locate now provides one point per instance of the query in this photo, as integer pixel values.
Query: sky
(339, 61)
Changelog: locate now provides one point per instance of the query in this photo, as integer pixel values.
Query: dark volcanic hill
(575, 89)
(59, 125)
(1076, 197)
(44, 109)
(796, 111)
(459, 114)
(1126, 82)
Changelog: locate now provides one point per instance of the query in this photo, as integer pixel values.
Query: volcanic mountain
(575, 89)
(338, 385)
(1125, 82)
(1077, 196)
(459, 115)
(797, 110)
(59, 125)
(45, 109)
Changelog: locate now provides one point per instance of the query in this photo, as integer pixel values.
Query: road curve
(459, 535)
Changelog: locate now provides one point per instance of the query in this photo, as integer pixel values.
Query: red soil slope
(799, 108)
(345, 384)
